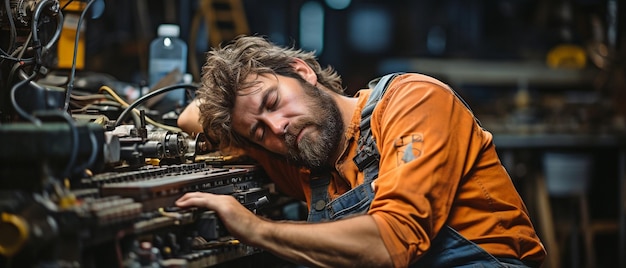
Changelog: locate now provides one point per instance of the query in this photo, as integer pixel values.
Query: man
(441, 197)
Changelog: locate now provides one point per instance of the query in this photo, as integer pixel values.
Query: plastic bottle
(167, 53)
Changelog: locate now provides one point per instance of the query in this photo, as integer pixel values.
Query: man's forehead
(249, 97)
(256, 82)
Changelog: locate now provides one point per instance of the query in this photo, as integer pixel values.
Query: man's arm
(352, 242)
(188, 120)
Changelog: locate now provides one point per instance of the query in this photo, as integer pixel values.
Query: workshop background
(546, 77)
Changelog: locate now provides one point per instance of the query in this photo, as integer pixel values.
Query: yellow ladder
(223, 20)
(226, 19)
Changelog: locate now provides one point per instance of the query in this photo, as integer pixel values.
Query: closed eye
(272, 101)
(259, 132)
(269, 103)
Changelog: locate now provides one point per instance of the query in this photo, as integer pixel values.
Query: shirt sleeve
(424, 135)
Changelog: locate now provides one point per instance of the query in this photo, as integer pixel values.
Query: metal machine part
(174, 144)
(77, 190)
(33, 154)
(162, 145)
(130, 213)
(22, 11)
(30, 30)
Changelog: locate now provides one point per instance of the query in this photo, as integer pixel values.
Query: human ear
(304, 70)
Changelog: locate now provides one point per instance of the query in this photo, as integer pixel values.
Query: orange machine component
(65, 46)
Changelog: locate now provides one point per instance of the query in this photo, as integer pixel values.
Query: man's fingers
(192, 199)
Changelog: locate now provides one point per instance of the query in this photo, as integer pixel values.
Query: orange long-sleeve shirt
(437, 167)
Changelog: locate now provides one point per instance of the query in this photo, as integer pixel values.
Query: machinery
(88, 180)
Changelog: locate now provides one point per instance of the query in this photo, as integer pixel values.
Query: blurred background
(546, 77)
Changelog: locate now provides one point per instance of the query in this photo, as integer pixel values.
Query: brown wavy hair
(225, 71)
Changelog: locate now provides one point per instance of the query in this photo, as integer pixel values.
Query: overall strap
(319, 197)
(367, 156)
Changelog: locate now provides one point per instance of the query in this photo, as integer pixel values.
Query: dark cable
(67, 4)
(16, 66)
(19, 63)
(70, 84)
(28, 60)
(136, 103)
(17, 107)
(20, 52)
(34, 25)
(57, 33)
(92, 156)
(74, 149)
(12, 23)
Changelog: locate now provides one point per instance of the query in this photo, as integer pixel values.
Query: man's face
(289, 118)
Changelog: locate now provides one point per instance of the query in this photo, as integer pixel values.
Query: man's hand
(239, 221)
(352, 242)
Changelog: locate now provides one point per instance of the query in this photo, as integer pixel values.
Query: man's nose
(277, 124)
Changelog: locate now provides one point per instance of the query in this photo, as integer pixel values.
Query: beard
(313, 150)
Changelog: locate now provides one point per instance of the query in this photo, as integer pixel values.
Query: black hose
(70, 84)
(17, 107)
(159, 91)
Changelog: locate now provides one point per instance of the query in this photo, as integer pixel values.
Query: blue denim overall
(448, 248)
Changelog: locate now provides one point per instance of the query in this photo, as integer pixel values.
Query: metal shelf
(481, 72)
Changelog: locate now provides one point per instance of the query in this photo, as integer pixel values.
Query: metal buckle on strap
(367, 155)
